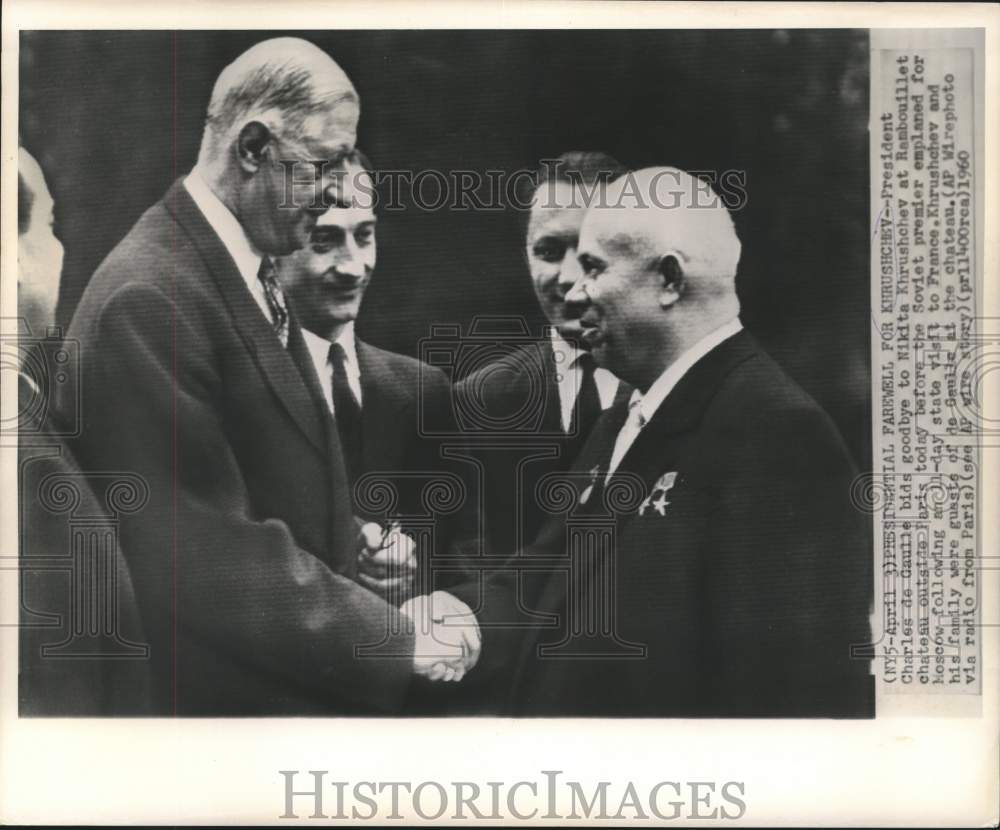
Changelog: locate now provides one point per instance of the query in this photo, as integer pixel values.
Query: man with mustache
(377, 399)
(736, 581)
(245, 556)
(556, 378)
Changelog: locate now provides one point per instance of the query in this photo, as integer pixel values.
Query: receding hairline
(288, 78)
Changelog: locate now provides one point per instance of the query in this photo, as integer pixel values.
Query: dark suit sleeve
(442, 447)
(787, 576)
(235, 581)
(49, 686)
(508, 600)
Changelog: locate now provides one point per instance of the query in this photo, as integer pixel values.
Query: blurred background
(115, 117)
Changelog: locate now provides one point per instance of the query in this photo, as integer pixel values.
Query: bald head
(661, 211)
(283, 83)
(659, 257)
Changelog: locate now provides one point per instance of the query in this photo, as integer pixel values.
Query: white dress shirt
(643, 407)
(227, 227)
(319, 351)
(569, 376)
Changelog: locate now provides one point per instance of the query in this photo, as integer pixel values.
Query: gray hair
(281, 82)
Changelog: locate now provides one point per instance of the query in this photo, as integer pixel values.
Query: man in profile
(556, 376)
(82, 650)
(737, 577)
(244, 559)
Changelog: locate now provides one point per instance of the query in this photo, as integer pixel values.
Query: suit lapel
(659, 444)
(662, 438)
(595, 458)
(623, 394)
(587, 472)
(273, 360)
(299, 351)
(384, 396)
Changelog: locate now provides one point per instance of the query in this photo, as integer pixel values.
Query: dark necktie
(347, 413)
(588, 402)
(275, 297)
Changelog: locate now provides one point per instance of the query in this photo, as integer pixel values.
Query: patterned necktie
(276, 303)
(347, 413)
(588, 401)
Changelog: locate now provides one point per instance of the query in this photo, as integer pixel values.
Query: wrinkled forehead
(615, 231)
(329, 133)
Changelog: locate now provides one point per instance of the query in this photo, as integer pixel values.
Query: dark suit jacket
(244, 556)
(406, 406)
(398, 393)
(82, 650)
(740, 595)
(513, 460)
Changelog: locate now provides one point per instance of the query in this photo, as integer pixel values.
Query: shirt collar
(319, 347)
(665, 383)
(226, 227)
(349, 344)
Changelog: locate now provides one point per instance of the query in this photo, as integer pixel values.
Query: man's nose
(570, 272)
(351, 263)
(577, 294)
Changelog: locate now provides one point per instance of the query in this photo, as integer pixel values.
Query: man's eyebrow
(322, 226)
(544, 239)
(327, 228)
(620, 243)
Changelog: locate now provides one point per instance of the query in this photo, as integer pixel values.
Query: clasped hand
(447, 641)
(387, 561)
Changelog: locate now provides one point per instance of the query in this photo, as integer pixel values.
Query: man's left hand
(387, 561)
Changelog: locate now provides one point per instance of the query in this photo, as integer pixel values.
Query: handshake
(447, 640)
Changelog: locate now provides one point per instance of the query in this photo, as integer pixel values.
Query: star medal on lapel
(657, 499)
(585, 495)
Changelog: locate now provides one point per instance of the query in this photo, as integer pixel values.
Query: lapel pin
(657, 499)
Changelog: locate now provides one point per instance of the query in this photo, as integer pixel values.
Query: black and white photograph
(496, 376)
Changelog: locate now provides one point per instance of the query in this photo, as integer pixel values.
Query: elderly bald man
(741, 575)
(244, 556)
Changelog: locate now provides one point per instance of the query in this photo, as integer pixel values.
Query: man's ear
(672, 280)
(251, 145)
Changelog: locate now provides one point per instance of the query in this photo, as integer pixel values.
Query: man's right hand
(447, 640)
